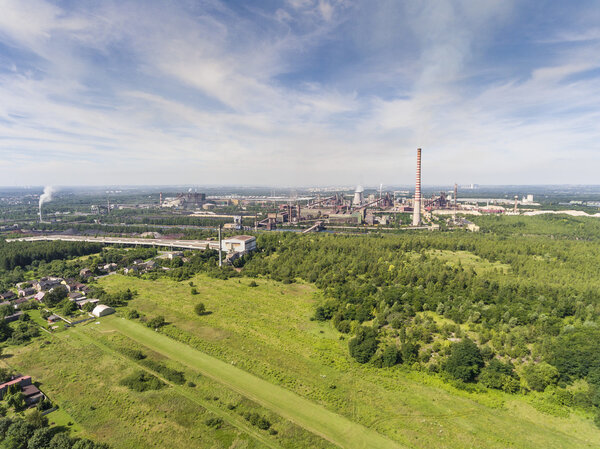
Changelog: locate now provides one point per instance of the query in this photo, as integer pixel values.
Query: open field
(266, 331)
(469, 260)
(309, 415)
(81, 371)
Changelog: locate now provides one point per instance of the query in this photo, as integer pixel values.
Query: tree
(68, 307)
(41, 438)
(156, 322)
(89, 444)
(200, 309)
(5, 423)
(36, 419)
(55, 296)
(539, 375)
(465, 360)
(15, 399)
(18, 435)
(364, 345)
(61, 440)
(391, 356)
(495, 374)
(5, 331)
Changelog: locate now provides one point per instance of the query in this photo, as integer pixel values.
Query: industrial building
(239, 244)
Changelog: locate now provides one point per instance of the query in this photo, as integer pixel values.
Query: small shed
(102, 310)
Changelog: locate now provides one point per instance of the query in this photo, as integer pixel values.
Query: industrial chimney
(417, 203)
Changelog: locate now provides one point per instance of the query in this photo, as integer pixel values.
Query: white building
(239, 244)
(102, 310)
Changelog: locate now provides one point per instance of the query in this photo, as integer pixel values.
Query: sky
(299, 92)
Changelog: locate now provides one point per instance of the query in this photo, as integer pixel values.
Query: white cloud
(128, 94)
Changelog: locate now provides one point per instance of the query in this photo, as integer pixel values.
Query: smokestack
(455, 195)
(417, 203)
(160, 200)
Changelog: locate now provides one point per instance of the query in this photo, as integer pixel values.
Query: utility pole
(220, 246)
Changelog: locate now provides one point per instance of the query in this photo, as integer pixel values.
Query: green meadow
(256, 350)
(267, 331)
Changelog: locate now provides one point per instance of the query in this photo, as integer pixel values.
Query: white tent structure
(102, 310)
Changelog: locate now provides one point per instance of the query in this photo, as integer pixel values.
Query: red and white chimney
(416, 221)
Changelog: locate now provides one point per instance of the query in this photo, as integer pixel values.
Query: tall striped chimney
(416, 221)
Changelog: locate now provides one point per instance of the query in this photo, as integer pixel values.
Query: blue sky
(299, 92)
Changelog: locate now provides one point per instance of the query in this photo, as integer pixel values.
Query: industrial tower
(416, 221)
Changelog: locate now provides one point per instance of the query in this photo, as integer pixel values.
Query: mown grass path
(235, 421)
(313, 417)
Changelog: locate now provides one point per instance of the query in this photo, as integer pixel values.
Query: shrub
(142, 381)
(215, 423)
(363, 346)
(156, 322)
(200, 309)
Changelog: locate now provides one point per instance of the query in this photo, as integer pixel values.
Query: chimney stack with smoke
(44, 198)
(417, 203)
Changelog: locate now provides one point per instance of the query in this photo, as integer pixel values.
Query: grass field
(309, 415)
(266, 331)
(469, 260)
(80, 370)
(258, 351)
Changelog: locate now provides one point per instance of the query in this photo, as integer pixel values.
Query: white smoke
(45, 198)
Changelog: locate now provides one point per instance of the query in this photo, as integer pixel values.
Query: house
(39, 296)
(240, 244)
(75, 295)
(22, 381)
(73, 286)
(131, 270)
(150, 265)
(31, 393)
(27, 291)
(20, 301)
(46, 283)
(102, 310)
(85, 273)
(110, 267)
(53, 318)
(7, 296)
(82, 302)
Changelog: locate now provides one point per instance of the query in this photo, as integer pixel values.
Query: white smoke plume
(45, 198)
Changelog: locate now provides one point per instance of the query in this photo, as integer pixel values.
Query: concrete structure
(102, 310)
(416, 221)
(239, 244)
(358, 196)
